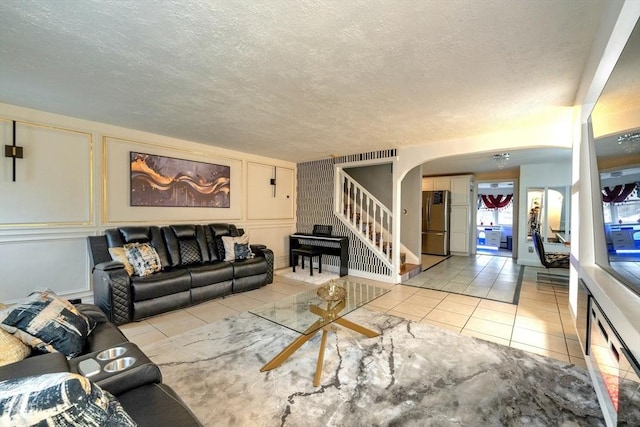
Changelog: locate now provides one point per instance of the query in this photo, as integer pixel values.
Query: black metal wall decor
(13, 151)
(272, 181)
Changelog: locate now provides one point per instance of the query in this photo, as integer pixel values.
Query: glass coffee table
(318, 310)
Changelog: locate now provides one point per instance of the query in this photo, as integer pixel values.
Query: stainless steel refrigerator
(435, 222)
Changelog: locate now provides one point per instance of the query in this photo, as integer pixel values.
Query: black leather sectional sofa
(139, 388)
(193, 269)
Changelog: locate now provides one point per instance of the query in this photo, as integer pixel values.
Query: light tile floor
(541, 322)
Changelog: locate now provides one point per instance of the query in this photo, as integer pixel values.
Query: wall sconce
(13, 151)
(272, 181)
(501, 159)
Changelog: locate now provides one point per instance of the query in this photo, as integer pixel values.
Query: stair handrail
(380, 249)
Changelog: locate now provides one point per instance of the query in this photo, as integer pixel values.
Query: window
(495, 216)
(625, 212)
(502, 216)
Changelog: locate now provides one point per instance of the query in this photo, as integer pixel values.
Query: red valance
(618, 194)
(496, 202)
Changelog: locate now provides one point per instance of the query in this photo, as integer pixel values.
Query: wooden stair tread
(408, 267)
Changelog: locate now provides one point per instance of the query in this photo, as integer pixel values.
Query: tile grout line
(448, 279)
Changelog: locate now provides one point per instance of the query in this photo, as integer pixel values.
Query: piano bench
(308, 252)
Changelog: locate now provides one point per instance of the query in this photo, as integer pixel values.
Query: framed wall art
(167, 181)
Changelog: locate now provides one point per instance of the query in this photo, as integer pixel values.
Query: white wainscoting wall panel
(266, 201)
(58, 262)
(53, 180)
(276, 237)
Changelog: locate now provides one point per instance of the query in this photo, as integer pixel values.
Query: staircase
(366, 216)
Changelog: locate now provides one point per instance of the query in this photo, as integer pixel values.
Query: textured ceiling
(298, 80)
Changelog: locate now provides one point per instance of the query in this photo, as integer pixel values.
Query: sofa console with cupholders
(107, 381)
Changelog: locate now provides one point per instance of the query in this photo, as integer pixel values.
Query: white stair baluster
(365, 216)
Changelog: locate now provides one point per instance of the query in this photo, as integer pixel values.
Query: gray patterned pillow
(60, 399)
(230, 244)
(242, 251)
(48, 324)
(143, 258)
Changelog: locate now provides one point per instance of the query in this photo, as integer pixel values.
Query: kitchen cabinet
(622, 240)
(461, 187)
(427, 184)
(489, 236)
(459, 242)
(459, 238)
(442, 184)
(436, 184)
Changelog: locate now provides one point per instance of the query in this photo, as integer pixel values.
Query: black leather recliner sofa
(139, 389)
(193, 269)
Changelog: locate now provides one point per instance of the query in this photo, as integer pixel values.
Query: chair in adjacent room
(550, 260)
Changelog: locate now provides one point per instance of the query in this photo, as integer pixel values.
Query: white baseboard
(358, 273)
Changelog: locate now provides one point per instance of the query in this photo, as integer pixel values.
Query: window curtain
(617, 194)
(496, 202)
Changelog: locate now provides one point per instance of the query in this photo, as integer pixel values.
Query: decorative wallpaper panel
(315, 206)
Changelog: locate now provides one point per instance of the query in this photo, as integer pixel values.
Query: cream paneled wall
(74, 181)
(270, 201)
(116, 167)
(55, 173)
(56, 261)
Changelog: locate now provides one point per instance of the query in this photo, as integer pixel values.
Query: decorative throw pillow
(47, 323)
(242, 250)
(119, 254)
(12, 349)
(143, 257)
(60, 399)
(230, 247)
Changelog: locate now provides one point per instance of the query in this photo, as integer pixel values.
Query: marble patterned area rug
(304, 276)
(413, 374)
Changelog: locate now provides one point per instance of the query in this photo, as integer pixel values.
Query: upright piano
(328, 245)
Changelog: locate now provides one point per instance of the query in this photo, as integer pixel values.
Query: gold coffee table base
(326, 315)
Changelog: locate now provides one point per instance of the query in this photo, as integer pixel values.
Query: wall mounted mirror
(549, 213)
(535, 204)
(558, 204)
(615, 119)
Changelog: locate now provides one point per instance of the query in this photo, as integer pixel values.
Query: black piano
(321, 239)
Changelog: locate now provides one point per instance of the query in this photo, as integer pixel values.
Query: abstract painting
(166, 181)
